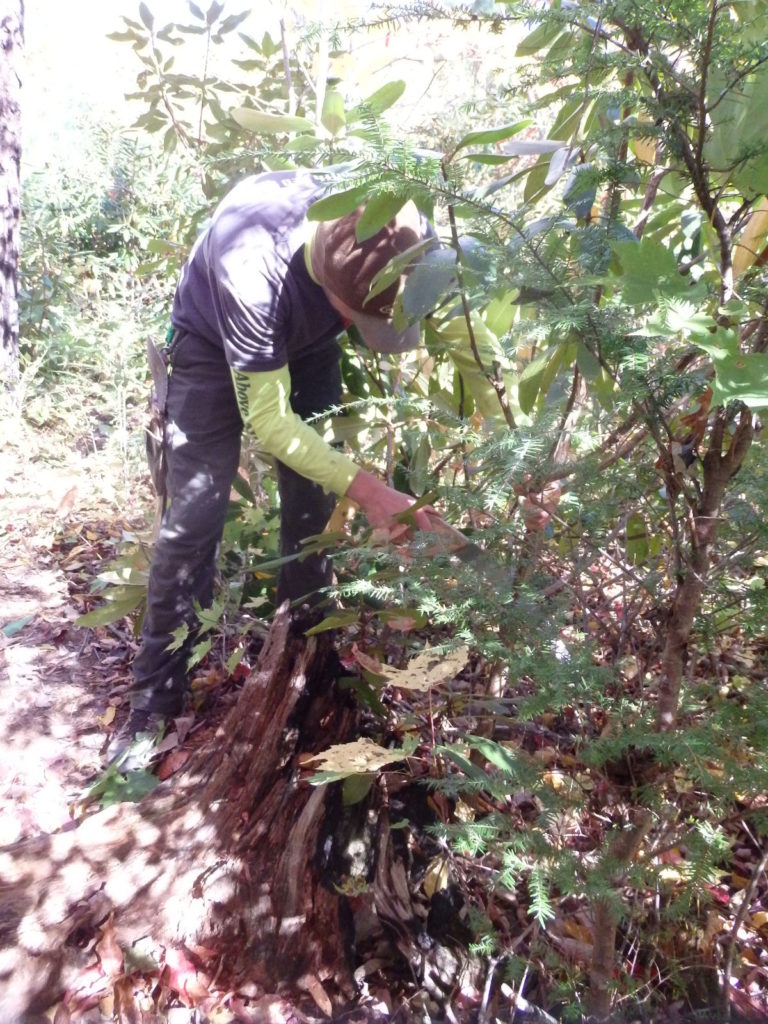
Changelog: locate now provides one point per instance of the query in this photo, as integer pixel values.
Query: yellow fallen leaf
(359, 757)
(426, 669)
(463, 812)
(437, 876)
(108, 717)
(557, 780)
(577, 930)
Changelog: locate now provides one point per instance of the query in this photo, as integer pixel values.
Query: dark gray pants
(203, 451)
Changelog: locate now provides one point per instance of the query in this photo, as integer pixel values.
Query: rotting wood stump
(223, 862)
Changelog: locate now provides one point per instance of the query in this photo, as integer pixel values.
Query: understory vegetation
(583, 707)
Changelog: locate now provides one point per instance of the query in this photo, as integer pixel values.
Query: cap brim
(382, 336)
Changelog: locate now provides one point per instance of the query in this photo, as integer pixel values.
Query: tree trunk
(11, 41)
(222, 864)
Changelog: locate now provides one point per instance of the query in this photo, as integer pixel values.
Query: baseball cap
(345, 267)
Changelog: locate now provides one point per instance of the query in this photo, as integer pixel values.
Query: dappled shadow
(219, 863)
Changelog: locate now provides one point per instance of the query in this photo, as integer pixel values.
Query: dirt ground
(60, 685)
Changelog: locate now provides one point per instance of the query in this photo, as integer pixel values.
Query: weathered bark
(719, 468)
(11, 42)
(221, 862)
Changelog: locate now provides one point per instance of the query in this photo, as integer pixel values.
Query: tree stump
(224, 862)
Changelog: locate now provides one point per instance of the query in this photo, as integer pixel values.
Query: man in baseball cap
(256, 317)
(347, 267)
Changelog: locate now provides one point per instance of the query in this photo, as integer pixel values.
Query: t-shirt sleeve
(263, 400)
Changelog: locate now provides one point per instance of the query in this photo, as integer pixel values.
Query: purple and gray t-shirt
(245, 287)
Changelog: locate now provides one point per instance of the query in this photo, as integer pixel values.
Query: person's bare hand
(538, 507)
(382, 504)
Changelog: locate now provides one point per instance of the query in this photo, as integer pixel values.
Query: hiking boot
(133, 746)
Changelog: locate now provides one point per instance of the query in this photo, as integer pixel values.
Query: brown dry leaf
(367, 662)
(402, 623)
(356, 758)
(183, 977)
(575, 930)
(108, 950)
(125, 1002)
(66, 504)
(172, 763)
(311, 983)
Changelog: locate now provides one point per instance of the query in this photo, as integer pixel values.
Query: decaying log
(223, 861)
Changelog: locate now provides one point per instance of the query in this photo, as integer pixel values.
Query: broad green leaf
(397, 266)
(500, 313)
(339, 204)
(737, 146)
(505, 759)
(588, 364)
(649, 270)
(378, 211)
(333, 117)
(491, 135)
(488, 159)
(241, 486)
(336, 621)
(113, 609)
(533, 147)
(270, 124)
(531, 379)
(636, 534)
(146, 16)
(535, 185)
(542, 36)
(302, 144)
(235, 658)
(213, 12)
(198, 652)
(356, 788)
(428, 282)
(378, 101)
(743, 378)
(459, 758)
(16, 625)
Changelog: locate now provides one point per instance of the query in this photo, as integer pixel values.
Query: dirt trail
(57, 516)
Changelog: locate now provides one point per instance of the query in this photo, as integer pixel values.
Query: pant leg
(305, 508)
(203, 451)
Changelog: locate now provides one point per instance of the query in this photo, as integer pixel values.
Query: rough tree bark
(11, 43)
(224, 862)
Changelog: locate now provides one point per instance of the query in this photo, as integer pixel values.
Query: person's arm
(263, 400)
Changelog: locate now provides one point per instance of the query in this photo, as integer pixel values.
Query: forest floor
(60, 516)
(64, 512)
